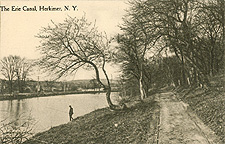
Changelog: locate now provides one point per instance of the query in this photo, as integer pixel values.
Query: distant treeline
(54, 87)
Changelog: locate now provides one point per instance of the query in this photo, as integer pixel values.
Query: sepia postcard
(112, 71)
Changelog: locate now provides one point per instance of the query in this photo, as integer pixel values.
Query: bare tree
(73, 44)
(8, 68)
(23, 68)
(132, 59)
(136, 43)
(15, 67)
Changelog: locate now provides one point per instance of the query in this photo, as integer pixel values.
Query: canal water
(46, 112)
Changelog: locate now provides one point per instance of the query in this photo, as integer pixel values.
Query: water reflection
(13, 110)
(50, 111)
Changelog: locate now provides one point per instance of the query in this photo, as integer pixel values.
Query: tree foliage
(190, 30)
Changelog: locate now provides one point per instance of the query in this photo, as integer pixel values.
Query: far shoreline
(44, 94)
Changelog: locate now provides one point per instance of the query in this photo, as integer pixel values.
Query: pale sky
(18, 28)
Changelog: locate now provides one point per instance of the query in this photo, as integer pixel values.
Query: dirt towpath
(179, 125)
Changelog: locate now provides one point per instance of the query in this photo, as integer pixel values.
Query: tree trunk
(19, 84)
(108, 93)
(108, 98)
(184, 80)
(10, 86)
(108, 88)
(141, 88)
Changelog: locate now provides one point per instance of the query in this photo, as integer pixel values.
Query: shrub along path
(178, 124)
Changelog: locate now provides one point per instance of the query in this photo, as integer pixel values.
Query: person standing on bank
(71, 113)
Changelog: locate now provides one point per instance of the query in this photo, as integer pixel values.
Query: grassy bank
(134, 125)
(209, 104)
